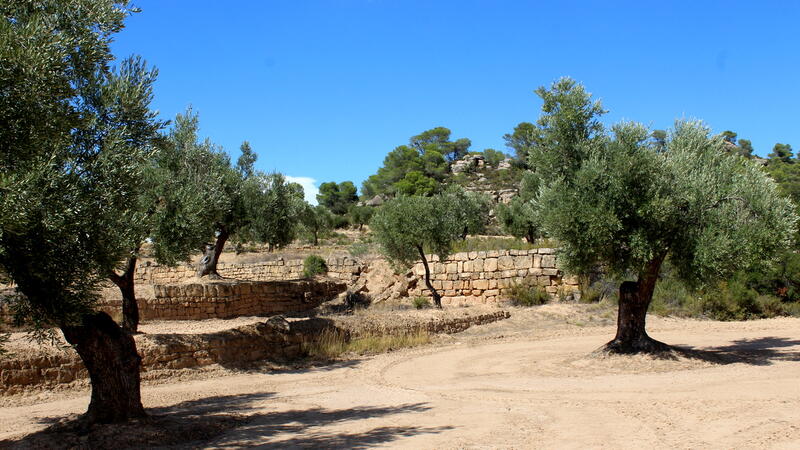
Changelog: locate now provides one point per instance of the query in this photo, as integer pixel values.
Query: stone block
(550, 272)
(548, 261)
(480, 284)
(473, 255)
(490, 265)
(535, 271)
(505, 263)
(523, 262)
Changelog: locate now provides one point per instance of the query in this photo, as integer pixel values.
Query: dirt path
(510, 386)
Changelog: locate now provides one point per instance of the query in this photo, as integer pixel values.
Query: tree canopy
(418, 168)
(619, 203)
(409, 226)
(70, 155)
(337, 197)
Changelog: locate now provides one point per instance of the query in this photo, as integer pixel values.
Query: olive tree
(175, 209)
(407, 227)
(629, 208)
(518, 218)
(67, 170)
(316, 220)
(238, 185)
(472, 209)
(274, 208)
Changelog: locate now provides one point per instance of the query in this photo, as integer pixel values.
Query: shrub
(420, 302)
(332, 343)
(314, 265)
(358, 249)
(528, 294)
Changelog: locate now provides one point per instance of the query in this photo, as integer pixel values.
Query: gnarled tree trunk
(437, 299)
(130, 309)
(208, 264)
(634, 299)
(109, 354)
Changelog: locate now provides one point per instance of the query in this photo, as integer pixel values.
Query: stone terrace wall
(273, 340)
(342, 268)
(225, 300)
(487, 277)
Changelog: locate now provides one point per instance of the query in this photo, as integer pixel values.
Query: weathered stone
(505, 263)
(490, 265)
(523, 262)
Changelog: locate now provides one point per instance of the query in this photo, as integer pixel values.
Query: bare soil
(527, 382)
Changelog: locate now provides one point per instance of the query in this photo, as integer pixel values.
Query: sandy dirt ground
(526, 382)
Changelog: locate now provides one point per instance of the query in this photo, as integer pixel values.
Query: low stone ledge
(273, 340)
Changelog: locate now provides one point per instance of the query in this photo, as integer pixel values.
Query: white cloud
(309, 189)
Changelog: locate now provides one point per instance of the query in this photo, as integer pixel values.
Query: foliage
(521, 140)
(405, 225)
(782, 153)
(711, 212)
(314, 265)
(420, 302)
(358, 249)
(493, 157)
(417, 168)
(478, 244)
(68, 160)
(416, 183)
(184, 195)
(333, 343)
(316, 220)
(275, 207)
(519, 217)
(472, 211)
(358, 216)
(528, 294)
(337, 197)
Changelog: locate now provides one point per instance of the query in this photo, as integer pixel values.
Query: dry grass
(333, 343)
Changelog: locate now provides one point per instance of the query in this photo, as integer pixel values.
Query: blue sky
(324, 89)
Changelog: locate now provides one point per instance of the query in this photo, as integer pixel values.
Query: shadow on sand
(756, 352)
(197, 423)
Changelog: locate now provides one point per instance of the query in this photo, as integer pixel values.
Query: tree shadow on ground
(304, 428)
(195, 423)
(757, 352)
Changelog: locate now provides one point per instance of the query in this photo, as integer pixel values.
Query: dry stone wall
(225, 300)
(488, 276)
(341, 268)
(273, 340)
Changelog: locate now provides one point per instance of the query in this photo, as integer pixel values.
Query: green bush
(420, 302)
(340, 222)
(314, 265)
(358, 249)
(528, 294)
